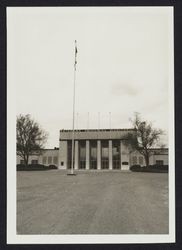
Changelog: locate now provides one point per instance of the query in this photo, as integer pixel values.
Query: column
(76, 154)
(110, 154)
(99, 154)
(87, 155)
(121, 156)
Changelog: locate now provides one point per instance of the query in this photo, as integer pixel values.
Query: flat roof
(91, 134)
(97, 130)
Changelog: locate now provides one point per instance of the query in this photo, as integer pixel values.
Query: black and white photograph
(90, 114)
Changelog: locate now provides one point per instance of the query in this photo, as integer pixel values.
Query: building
(47, 157)
(102, 149)
(158, 157)
(99, 149)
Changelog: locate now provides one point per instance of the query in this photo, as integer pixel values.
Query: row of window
(137, 160)
(50, 160)
(46, 160)
(32, 162)
(93, 149)
(140, 161)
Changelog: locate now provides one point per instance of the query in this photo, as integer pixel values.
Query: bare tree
(30, 137)
(144, 137)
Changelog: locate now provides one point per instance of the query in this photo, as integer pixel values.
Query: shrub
(36, 165)
(161, 167)
(52, 167)
(30, 167)
(151, 168)
(135, 168)
(20, 166)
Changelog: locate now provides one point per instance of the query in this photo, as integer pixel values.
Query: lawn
(50, 202)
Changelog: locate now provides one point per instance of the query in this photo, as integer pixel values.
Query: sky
(123, 65)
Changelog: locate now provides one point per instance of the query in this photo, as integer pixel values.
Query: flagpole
(110, 123)
(77, 120)
(88, 121)
(98, 120)
(73, 128)
(109, 120)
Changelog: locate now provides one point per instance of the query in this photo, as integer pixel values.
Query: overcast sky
(124, 60)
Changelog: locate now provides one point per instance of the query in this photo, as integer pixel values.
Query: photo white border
(13, 238)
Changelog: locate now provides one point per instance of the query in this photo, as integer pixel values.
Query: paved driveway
(50, 202)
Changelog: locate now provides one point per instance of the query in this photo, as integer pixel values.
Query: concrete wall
(125, 157)
(50, 157)
(63, 154)
(164, 158)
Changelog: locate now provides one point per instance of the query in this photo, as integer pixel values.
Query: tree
(30, 137)
(144, 137)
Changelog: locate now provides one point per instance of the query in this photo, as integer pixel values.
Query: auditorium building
(99, 149)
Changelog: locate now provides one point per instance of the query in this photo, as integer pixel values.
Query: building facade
(102, 149)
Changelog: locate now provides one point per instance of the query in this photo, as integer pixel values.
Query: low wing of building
(46, 157)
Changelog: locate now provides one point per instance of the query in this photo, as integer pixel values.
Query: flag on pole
(76, 51)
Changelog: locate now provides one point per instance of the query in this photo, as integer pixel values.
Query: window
(140, 160)
(159, 162)
(82, 154)
(62, 163)
(104, 155)
(44, 160)
(22, 162)
(134, 160)
(93, 154)
(69, 154)
(55, 160)
(116, 154)
(49, 159)
(34, 161)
